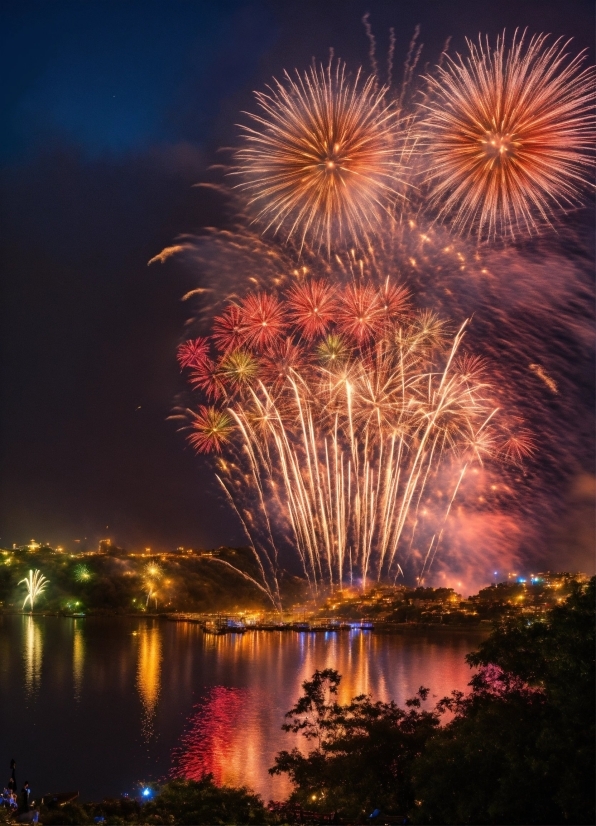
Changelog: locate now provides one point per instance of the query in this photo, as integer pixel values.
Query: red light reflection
(209, 741)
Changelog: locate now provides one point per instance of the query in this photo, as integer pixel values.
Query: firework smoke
(508, 137)
(324, 161)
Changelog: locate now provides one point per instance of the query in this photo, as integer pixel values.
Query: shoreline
(380, 627)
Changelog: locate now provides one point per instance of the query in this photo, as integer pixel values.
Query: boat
(363, 625)
(301, 627)
(223, 626)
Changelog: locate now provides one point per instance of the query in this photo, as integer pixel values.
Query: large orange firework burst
(508, 135)
(324, 161)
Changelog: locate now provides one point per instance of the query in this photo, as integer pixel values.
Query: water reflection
(32, 655)
(78, 657)
(235, 731)
(209, 743)
(149, 674)
(158, 688)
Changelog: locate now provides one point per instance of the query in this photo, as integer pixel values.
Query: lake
(101, 704)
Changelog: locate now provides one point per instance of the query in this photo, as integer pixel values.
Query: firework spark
(193, 353)
(508, 135)
(263, 319)
(82, 573)
(312, 307)
(36, 584)
(324, 161)
(210, 429)
(228, 329)
(154, 570)
(340, 443)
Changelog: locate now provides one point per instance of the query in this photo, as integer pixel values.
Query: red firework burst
(211, 429)
(205, 376)
(518, 446)
(312, 307)
(394, 301)
(281, 362)
(360, 314)
(264, 320)
(229, 332)
(193, 352)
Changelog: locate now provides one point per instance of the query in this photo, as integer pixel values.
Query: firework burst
(36, 583)
(263, 319)
(228, 329)
(508, 135)
(211, 429)
(312, 307)
(324, 160)
(193, 353)
(360, 314)
(337, 443)
(82, 573)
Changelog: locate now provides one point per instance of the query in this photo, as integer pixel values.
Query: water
(100, 704)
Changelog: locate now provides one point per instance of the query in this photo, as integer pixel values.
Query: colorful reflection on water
(149, 673)
(235, 733)
(100, 704)
(32, 654)
(208, 746)
(78, 656)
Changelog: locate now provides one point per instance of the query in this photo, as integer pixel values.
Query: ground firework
(324, 160)
(333, 440)
(508, 135)
(36, 583)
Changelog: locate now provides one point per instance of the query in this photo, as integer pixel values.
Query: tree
(520, 748)
(362, 751)
(202, 802)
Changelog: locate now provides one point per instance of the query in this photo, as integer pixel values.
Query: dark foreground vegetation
(517, 749)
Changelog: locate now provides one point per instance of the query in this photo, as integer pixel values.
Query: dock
(220, 624)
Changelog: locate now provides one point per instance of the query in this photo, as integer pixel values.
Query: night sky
(112, 111)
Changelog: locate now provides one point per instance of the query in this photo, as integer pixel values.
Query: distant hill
(116, 580)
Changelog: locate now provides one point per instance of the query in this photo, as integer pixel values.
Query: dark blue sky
(111, 112)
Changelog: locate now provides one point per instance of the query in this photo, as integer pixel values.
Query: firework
(36, 584)
(207, 377)
(228, 329)
(361, 313)
(82, 573)
(193, 353)
(263, 319)
(508, 135)
(211, 429)
(324, 161)
(332, 439)
(312, 307)
(153, 570)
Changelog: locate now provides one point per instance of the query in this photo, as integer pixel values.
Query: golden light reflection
(32, 655)
(78, 658)
(235, 732)
(149, 673)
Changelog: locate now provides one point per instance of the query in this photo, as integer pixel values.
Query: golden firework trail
(36, 583)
